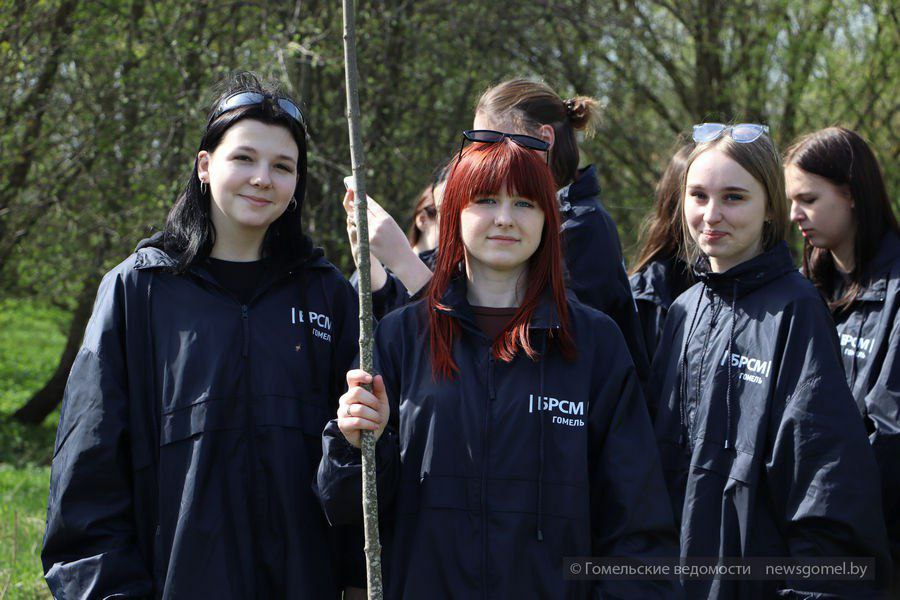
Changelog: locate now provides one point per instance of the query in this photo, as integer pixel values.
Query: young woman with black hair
(509, 438)
(661, 274)
(191, 423)
(763, 451)
(595, 268)
(851, 253)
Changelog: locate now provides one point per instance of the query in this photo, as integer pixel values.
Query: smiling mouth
(255, 200)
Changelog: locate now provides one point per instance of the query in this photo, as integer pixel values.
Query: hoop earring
(292, 205)
(204, 187)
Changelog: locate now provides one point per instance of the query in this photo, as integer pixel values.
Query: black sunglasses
(489, 136)
(250, 98)
(430, 211)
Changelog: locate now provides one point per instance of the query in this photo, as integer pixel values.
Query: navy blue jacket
(595, 268)
(655, 287)
(869, 333)
(483, 486)
(594, 262)
(393, 294)
(190, 434)
(762, 447)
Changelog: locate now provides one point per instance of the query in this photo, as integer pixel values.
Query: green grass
(23, 508)
(32, 337)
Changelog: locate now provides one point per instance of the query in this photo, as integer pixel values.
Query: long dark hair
(661, 233)
(530, 104)
(189, 233)
(483, 170)
(439, 176)
(845, 159)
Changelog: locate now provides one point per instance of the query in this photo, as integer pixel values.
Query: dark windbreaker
(190, 434)
(483, 493)
(393, 294)
(763, 450)
(869, 333)
(594, 262)
(594, 265)
(655, 287)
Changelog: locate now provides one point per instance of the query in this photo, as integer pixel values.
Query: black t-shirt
(493, 321)
(239, 278)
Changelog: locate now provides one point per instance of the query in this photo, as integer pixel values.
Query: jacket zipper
(492, 395)
(245, 321)
(250, 430)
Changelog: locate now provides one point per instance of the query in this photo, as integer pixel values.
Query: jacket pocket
(309, 412)
(207, 414)
(731, 463)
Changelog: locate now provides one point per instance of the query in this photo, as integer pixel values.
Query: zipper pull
(246, 327)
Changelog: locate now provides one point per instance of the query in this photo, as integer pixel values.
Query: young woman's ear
(421, 221)
(203, 166)
(547, 134)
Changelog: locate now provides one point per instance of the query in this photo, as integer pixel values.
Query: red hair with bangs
(485, 170)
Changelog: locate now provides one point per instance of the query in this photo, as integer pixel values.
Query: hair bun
(582, 112)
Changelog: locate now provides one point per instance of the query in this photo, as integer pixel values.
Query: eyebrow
(253, 150)
(730, 188)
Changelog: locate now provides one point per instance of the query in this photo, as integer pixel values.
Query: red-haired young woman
(502, 449)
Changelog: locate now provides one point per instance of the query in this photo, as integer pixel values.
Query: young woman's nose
(797, 214)
(503, 215)
(261, 176)
(713, 212)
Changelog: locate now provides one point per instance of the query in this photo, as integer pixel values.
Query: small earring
(292, 205)
(203, 187)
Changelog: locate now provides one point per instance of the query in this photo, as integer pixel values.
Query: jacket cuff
(340, 450)
(345, 454)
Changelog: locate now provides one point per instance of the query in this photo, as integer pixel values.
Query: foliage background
(102, 104)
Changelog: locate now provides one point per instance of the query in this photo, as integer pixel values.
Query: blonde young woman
(762, 447)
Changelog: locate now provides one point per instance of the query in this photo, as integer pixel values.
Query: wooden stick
(366, 340)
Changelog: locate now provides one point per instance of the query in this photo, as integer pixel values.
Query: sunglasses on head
(489, 136)
(743, 133)
(240, 99)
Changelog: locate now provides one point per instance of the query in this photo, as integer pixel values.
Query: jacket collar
(874, 287)
(456, 304)
(750, 274)
(661, 281)
(152, 255)
(584, 188)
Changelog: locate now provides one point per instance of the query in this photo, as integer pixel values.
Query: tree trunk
(32, 110)
(45, 401)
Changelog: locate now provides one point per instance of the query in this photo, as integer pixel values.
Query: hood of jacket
(454, 302)
(750, 274)
(150, 253)
(875, 285)
(661, 281)
(585, 188)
